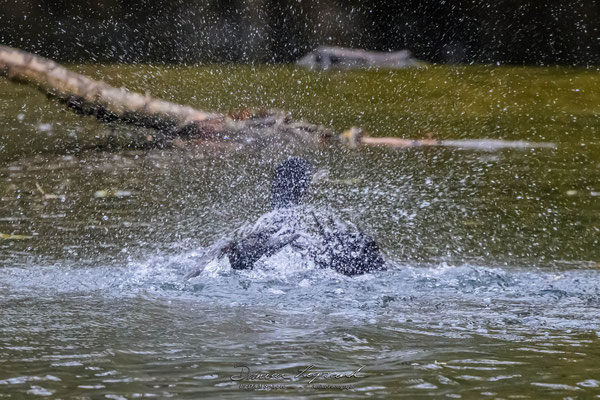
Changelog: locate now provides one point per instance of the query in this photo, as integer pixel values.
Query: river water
(492, 288)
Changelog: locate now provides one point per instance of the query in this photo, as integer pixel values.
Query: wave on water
(449, 294)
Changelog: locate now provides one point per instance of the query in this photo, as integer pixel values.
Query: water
(492, 289)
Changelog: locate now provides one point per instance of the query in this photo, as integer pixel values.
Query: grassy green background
(555, 104)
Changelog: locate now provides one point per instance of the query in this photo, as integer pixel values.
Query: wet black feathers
(341, 247)
(290, 182)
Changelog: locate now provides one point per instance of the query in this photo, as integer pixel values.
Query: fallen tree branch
(354, 137)
(331, 57)
(109, 104)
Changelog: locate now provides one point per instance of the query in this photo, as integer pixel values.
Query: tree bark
(106, 103)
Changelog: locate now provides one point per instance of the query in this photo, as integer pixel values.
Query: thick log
(107, 103)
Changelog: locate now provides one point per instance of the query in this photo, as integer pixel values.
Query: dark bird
(326, 240)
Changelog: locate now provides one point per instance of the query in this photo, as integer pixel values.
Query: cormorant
(329, 242)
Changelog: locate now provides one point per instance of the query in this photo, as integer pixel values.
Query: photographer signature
(310, 374)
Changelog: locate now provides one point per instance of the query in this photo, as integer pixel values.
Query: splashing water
(491, 289)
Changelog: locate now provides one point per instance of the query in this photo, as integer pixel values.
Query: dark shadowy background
(449, 31)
